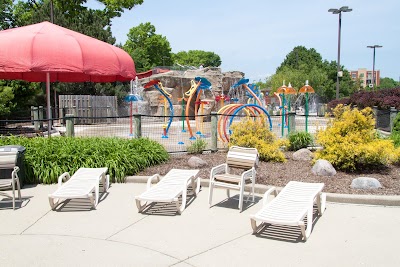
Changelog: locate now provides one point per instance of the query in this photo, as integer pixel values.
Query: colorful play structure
(167, 98)
(306, 89)
(284, 104)
(133, 96)
(230, 111)
(198, 86)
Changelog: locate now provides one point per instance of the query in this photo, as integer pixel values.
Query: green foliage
(256, 133)
(147, 48)
(303, 64)
(6, 14)
(197, 58)
(350, 141)
(386, 83)
(197, 146)
(395, 137)
(6, 95)
(299, 140)
(396, 124)
(47, 158)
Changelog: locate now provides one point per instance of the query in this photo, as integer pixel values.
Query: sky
(254, 36)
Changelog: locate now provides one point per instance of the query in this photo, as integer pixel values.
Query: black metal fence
(175, 133)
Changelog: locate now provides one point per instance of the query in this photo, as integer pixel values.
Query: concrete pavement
(115, 234)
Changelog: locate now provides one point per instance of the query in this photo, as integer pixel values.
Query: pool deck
(115, 234)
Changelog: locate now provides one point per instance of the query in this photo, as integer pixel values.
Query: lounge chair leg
(228, 193)
(254, 225)
(210, 193)
(241, 198)
(139, 206)
(92, 200)
(307, 232)
(184, 195)
(321, 203)
(52, 204)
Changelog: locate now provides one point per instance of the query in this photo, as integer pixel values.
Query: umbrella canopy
(45, 52)
(29, 53)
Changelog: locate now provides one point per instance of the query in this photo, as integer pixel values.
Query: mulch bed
(279, 174)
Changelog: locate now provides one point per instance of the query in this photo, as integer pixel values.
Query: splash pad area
(177, 141)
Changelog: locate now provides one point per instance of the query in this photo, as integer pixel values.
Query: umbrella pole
(48, 104)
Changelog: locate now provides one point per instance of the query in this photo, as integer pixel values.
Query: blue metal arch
(250, 105)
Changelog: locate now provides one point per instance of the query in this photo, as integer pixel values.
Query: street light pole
(373, 65)
(339, 74)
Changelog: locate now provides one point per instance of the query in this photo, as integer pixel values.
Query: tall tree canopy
(6, 14)
(303, 64)
(197, 58)
(386, 83)
(147, 48)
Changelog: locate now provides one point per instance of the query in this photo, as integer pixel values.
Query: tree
(386, 83)
(6, 14)
(6, 96)
(197, 58)
(147, 48)
(303, 64)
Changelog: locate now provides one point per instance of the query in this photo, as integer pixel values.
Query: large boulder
(196, 162)
(303, 154)
(323, 167)
(365, 183)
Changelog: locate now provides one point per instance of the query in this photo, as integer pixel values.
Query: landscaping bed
(279, 174)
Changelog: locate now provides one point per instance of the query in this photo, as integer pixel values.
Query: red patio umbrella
(45, 52)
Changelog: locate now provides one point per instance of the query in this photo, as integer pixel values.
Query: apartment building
(365, 77)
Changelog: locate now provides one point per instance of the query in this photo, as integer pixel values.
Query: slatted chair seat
(84, 183)
(222, 176)
(168, 189)
(291, 206)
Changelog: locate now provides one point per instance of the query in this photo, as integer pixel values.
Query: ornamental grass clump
(255, 133)
(47, 158)
(350, 141)
(298, 140)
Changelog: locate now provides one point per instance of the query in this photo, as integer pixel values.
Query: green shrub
(298, 140)
(197, 146)
(47, 158)
(396, 124)
(395, 137)
(350, 141)
(256, 133)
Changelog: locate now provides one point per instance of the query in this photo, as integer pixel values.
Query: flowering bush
(350, 141)
(256, 133)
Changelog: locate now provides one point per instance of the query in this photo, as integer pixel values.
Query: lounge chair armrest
(249, 173)
(150, 180)
(63, 178)
(267, 193)
(222, 168)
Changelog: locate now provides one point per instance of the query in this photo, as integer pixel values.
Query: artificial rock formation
(178, 82)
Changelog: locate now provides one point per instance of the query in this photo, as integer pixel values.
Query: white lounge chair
(245, 159)
(291, 206)
(174, 184)
(8, 160)
(83, 184)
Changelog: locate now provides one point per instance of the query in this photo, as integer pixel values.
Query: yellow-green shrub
(350, 141)
(256, 133)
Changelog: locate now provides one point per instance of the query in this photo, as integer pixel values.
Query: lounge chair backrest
(8, 160)
(242, 157)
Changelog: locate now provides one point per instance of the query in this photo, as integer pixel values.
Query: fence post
(292, 122)
(41, 116)
(138, 125)
(36, 123)
(214, 125)
(375, 111)
(393, 113)
(69, 121)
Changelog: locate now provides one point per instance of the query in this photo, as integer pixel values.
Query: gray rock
(196, 162)
(303, 154)
(365, 183)
(324, 168)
